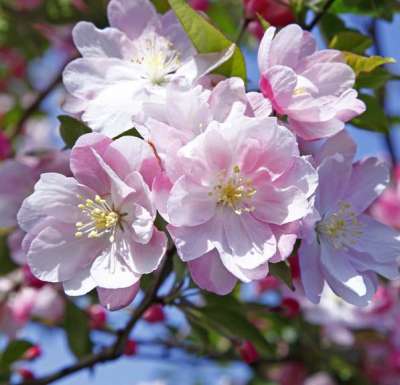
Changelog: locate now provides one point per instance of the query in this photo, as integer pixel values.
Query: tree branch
(319, 15)
(116, 350)
(42, 95)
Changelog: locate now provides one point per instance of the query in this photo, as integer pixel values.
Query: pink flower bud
(200, 5)
(26, 374)
(276, 12)
(130, 348)
(154, 314)
(32, 353)
(248, 352)
(97, 316)
(256, 29)
(290, 307)
(30, 279)
(268, 283)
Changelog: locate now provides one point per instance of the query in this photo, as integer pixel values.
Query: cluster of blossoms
(341, 327)
(238, 176)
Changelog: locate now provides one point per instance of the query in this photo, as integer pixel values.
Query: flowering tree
(179, 187)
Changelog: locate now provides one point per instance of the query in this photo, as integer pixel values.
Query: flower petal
(132, 16)
(116, 299)
(56, 255)
(310, 270)
(210, 274)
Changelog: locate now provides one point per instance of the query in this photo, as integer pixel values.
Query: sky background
(132, 370)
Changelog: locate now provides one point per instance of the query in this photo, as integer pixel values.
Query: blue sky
(131, 370)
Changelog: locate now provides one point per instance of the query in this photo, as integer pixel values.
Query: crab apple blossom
(130, 62)
(233, 209)
(19, 176)
(185, 113)
(386, 209)
(312, 88)
(96, 229)
(342, 245)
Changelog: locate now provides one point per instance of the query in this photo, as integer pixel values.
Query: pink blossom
(130, 62)
(19, 176)
(386, 209)
(185, 113)
(20, 303)
(313, 88)
(320, 378)
(233, 204)
(341, 245)
(96, 229)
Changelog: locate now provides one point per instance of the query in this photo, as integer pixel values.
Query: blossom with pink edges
(128, 63)
(96, 229)
(234, 203)
(342, 245)
(314, 89)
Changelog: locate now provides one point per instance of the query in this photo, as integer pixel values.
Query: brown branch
(319, 15)
(116, 350)
(41, 96)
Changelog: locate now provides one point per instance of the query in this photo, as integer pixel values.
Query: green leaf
(331, 24)
(365, 63)
(162, 6)
(131, 132)
(351, 41)
(378, 8)
(13, 352)
(71, 129)
(374, 118)
(281, 270)
(179, 269)
(76, 325)
(264, 23)
(207, 39)
(223, 20)
(374, 79)
(232, 324)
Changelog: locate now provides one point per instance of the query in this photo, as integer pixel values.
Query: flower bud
(130, 348)
(97, 316)
(290, 307)
(248, 352)
(200, 5)
(154, 314)
(32, 353)
(267, 283)
(26, 374)
(30, 279)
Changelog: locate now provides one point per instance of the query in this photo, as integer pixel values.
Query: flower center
(157, 55)
(342, 228)
(101, 219)
(234, 192)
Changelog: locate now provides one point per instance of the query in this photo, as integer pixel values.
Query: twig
(42, 95)
(115, 350)
(242, 30)
(319, 15)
